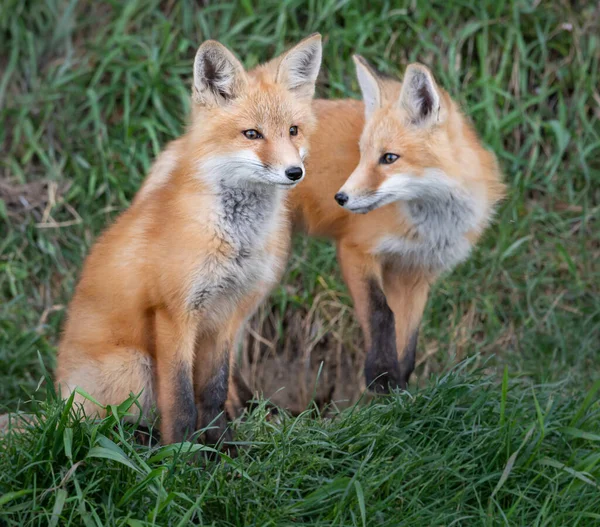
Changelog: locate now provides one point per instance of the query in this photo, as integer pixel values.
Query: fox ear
(369, 85)
(299, 67)
(420, 96)
(218, 75)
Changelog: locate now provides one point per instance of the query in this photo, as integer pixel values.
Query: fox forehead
(387, 132)
(272, 109)
(382, 131)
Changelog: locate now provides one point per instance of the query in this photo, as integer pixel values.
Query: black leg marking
(382, 370)
(407, 362)
(212, 403)
(184, 411)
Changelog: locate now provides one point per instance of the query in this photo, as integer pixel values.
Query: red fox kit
(414, 189)
(166, 289)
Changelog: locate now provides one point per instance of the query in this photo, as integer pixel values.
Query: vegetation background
(89, 94)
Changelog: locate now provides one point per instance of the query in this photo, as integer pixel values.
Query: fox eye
(253, 134)
(388, 158)
(293, 130)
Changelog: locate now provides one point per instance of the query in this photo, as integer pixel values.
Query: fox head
(252, 127)
(403, 140)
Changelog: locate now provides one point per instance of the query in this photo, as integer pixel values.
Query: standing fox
(165, 291)
(414, 189)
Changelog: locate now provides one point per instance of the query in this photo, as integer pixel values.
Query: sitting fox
(415, 189)
(165, 290)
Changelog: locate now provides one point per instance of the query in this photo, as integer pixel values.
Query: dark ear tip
(359, 59)
(206, 50)
(313, 36)
(208, 45)
(416, 68)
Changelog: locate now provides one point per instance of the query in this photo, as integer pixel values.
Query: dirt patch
(305, 356)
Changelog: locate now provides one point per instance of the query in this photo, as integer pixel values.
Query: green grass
(463, 451)
(89, 94)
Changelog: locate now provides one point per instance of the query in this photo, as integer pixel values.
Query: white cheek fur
(241, 167)
(399, 187)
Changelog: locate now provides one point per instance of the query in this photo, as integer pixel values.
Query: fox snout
(294, 173)
(356, 195)
(290, 174)
(342, 198)
(285, 163)
(359, 203)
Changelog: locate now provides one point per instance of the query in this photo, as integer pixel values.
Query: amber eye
(293, 130)
(388, 159)
(252, 134)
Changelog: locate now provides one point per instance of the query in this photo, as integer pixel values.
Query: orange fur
(166, 289)
(345, 155)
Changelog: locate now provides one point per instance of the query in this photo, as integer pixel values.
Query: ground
(89, 94)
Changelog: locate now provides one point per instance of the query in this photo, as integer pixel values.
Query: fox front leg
(377, 320)
(406, 293)
(212, 380)
(174, 371)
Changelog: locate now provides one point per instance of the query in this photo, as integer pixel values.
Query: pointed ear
(218, 76)
(299, 67)
(420, 96)
(369, 85)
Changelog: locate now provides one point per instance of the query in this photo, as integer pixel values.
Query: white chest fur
(243, 221)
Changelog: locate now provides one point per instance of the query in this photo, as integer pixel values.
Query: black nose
(341, 198)
(294, 173)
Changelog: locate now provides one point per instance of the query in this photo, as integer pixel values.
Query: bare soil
(305, 363)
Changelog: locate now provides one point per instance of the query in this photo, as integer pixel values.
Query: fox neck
(243, 211)
(246, 214)
(444, 218)
(441, 213)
